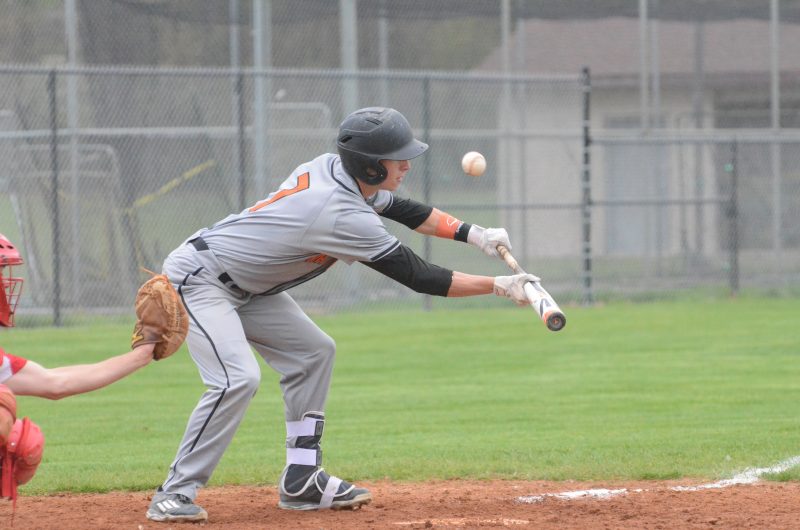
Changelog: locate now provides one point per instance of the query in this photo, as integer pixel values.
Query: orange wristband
(447, 226)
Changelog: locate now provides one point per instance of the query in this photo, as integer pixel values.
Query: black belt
(199, 244)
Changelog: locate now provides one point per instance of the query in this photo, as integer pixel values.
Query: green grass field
(673, 389)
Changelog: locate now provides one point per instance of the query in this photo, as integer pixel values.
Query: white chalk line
(462, 521)
(748, 476)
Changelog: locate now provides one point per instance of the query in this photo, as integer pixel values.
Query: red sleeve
(16, 363)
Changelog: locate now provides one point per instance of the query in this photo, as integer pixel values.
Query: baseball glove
(161, 318)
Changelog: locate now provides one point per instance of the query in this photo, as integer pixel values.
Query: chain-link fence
(687, 210)
(112, 177)
(683, 175)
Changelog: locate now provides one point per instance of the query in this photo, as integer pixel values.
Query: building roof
(610, 47)
(216, 11)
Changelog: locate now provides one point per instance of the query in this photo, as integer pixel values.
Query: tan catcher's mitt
(161, 318)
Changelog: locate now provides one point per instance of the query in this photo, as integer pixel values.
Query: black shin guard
(302, 438)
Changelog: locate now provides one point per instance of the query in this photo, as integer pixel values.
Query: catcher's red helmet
(11, 286)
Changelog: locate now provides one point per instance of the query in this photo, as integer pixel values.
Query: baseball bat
(541, 301)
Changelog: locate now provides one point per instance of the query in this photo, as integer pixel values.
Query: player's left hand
(487, 239)
(513, 287)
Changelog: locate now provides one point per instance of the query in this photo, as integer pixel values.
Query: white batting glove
(487, 239)
(513, 287)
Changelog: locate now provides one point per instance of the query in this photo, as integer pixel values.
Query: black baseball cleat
(318, 490)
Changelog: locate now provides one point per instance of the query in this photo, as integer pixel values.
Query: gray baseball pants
(224, 324)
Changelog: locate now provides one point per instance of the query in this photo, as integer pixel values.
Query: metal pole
(644, 90)
(51, 90)
(659, 186)
(236, 99)
(348, 51)
(242, 142)
(348, 18)
(521, 103)
(505, 153)
(505, 32)
(698, 87)
(383, 53)
(262, 91)
(733, 220)
(655, 67)
(426, 160)
(775, 109)
(71, 23)
(586, 204)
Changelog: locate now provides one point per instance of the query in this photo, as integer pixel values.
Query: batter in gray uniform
(233, 279)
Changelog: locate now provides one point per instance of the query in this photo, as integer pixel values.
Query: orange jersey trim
(302, 184)
(319, 259)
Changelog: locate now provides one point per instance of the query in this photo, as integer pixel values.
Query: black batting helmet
(373, 134)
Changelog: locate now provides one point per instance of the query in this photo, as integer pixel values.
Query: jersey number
(302, 184)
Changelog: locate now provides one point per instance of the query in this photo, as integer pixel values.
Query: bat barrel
(540, 299)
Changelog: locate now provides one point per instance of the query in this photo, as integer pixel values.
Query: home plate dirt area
(665, 505)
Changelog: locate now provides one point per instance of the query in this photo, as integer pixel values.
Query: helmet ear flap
(365, 168)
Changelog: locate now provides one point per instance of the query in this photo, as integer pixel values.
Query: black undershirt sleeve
(403, 266)
(408, 212)
(412, 214)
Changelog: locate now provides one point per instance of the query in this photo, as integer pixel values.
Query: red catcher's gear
(20, 457)
(11, 286)
(8, 413)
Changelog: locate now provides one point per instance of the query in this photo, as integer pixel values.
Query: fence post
(241, 140)
(733, 219)
(54, 208)
(586, 204)
(426, 179)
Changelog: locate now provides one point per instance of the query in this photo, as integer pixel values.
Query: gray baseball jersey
(316, 217)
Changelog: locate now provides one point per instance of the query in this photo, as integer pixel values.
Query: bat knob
(556, 321)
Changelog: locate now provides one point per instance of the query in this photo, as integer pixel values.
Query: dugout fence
(105, 170)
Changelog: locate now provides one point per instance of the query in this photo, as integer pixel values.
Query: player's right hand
(513, 287)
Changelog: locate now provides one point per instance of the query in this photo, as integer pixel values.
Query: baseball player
(21, 440)
(233, 279)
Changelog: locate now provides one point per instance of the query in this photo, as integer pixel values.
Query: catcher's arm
(57, 383)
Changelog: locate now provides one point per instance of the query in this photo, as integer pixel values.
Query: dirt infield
(446, 504)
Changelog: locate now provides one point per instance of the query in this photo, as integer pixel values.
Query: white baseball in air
(473, 164)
